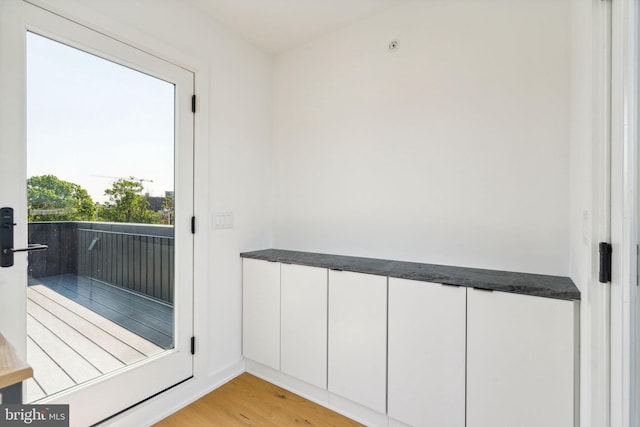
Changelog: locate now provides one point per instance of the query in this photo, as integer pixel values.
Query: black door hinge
(605, 249)
(193, 225)
(193, 345)
(193, 104)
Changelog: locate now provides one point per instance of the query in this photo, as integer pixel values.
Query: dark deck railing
(138, 257)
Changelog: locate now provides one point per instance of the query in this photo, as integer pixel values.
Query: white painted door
(22, 25)
(358, 338)
(261, 311)
(520, 360)
(427, 353)
(304, 323)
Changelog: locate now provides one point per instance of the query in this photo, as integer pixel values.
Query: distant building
(155, 203)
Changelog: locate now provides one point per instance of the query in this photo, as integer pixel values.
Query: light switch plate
(222, 220)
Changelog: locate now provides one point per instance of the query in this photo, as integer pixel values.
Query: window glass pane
(100, 192)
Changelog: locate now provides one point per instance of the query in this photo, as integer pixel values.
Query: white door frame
(625, 214)
(611, 369)
(595, 400)
(12, 112)
(204, 379)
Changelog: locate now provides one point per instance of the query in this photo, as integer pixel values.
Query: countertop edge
(547, 286)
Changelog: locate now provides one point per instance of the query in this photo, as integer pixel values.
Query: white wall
(455, 149)
(233, 164)
(452, 150)
(581, 216)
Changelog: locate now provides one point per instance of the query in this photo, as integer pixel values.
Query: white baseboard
(396, 423)
(171, 401)
(320, 396)
(165, 404)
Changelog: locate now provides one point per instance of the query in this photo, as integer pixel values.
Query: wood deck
(71, 341)
(146, 317)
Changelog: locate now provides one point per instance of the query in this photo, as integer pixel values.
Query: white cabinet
(358, 338)
(403, 352)
(304, 323)
(426, 385)
(520, 361)
(261, 311)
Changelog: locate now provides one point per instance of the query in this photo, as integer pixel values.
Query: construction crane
(140, 180)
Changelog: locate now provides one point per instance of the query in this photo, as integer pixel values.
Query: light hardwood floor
(250, 401)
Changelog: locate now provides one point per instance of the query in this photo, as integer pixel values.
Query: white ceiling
(278, 25)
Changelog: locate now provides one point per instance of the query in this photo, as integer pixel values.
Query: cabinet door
(261, 311)
(304, 323)
(520, 362)
(358, 338)
(427, 324)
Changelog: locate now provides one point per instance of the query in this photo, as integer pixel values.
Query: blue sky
(90, 120)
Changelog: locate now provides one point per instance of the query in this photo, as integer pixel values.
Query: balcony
(99, 299)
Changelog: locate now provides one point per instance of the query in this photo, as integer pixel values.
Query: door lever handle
(31, 247)
(6, 239)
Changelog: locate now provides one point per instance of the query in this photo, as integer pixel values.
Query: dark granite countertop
(505, 281)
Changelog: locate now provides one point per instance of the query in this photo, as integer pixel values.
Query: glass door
(100, 167)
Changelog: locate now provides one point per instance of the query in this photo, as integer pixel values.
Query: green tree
(127, 204)
(52, 199)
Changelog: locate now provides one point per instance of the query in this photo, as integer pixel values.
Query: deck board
(145, 317)
(124, 335)
(76, 366)
(68, 344)
(102, 293)
(94, 354)
(120, 350)
(51, 377)
(33, 391)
